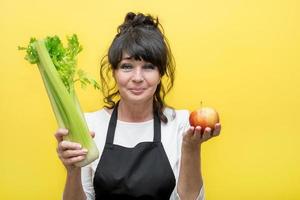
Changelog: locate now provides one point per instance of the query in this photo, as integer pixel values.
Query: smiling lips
(137, 91)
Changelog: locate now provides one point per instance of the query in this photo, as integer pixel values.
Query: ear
(159, 80)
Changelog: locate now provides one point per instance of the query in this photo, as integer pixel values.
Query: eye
(126, 67)
(149, 66)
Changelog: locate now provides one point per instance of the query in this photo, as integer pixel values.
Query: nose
(138, 75)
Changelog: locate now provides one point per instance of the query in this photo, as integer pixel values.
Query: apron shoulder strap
(112, 125)
(157, 128)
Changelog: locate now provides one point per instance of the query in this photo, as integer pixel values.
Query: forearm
(73, 188)
(190, 178)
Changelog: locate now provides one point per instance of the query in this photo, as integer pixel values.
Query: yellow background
(241, 57)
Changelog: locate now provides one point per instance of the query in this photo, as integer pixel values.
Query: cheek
(121, 80)
(155, 80)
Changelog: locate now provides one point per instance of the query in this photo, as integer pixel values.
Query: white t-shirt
(129, 134)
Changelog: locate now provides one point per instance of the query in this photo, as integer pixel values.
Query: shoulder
(176, 115)
(95, 114)
(94, 117)
(177, 118)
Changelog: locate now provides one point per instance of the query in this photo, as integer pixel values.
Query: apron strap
(112, 125)
(157, 128)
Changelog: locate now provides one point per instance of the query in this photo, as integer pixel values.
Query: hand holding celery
(68, 152)
(57, 66)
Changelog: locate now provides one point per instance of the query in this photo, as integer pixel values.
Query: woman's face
(137, 80)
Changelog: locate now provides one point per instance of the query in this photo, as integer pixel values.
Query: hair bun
(136, 20)
(129, 17)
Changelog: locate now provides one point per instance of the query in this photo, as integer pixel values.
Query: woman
(149, 151)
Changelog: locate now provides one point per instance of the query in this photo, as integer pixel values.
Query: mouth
(136, 91)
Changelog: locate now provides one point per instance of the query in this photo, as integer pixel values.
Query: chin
(138, 99)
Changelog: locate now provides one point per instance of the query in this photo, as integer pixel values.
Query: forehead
(125, 55)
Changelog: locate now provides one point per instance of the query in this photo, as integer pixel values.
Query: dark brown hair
(142, 37)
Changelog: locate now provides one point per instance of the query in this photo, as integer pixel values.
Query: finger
(217, 130)
(197, 133)
(64, 145)
(189, 133)
(73, 160)
(73, 153)
(92, 134)
(60, 133)
(206, 134)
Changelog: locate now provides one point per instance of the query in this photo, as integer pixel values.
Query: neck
(132, 112)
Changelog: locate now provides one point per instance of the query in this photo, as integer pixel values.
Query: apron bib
(142, 172)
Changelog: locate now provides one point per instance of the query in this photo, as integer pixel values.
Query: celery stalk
(55, 108)
(57, 68)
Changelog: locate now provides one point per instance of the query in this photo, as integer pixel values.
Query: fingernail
(84, 150)
(64, 130)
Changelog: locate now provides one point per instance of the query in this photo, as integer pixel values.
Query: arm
(70, 153)
(190, 179)
(73, 188)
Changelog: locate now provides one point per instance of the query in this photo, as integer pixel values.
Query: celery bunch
(58, 67)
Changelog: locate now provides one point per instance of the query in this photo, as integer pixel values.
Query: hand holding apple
(204, 125)
(204, 117)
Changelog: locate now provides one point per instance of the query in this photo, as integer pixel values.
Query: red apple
(204, 117)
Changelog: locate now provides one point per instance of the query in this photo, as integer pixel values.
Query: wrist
(191, 149)
(74, 171)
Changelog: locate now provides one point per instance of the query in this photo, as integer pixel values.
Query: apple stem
(201, 103)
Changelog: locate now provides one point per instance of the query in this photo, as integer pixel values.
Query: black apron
(142, 172)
